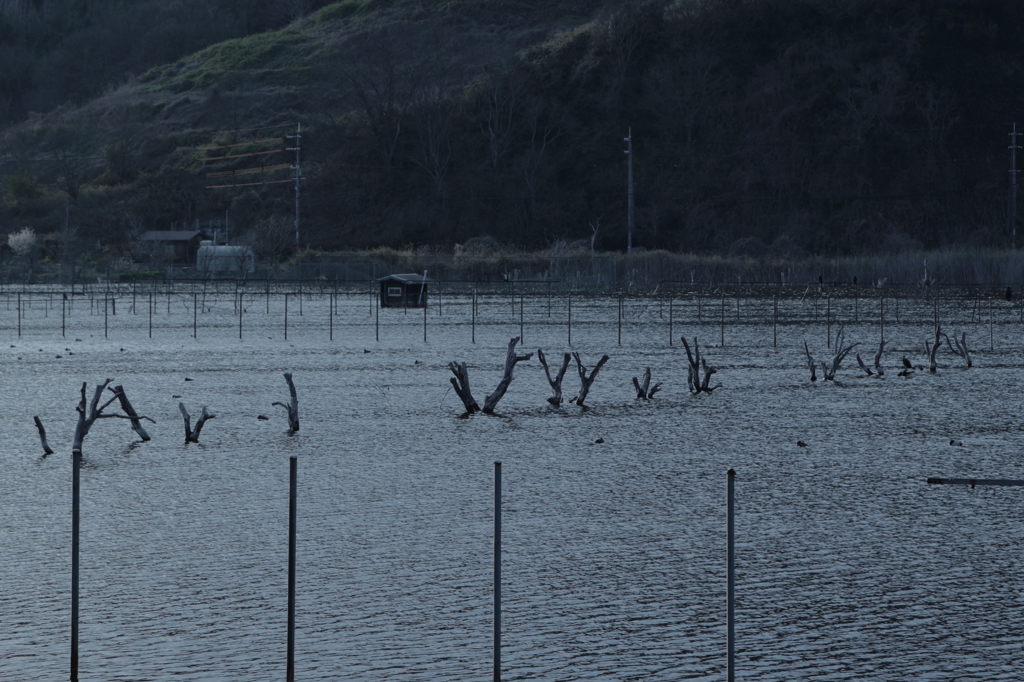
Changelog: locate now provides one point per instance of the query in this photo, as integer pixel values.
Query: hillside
(801, 127)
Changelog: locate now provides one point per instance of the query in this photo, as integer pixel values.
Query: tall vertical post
(292, 489)
(522, 304)
(472, 304)
(730, 620)
(151, 314)
(723, 320)
(376, 323)
(497, 572)
(991, 331)
(19, 314)
(828, 322)
(106, 300)
(76, 466)
(1011, 213)
(670, 321)
(241, 300)
(620, 319)
(424, 322)
(629, 194)
(195, 314)
(63, 305)
(570, 319)
(881, 318)
(330, 316)
(775, 321)
(298, 174)
(286, 317)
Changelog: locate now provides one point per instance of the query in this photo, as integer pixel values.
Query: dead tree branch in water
(556, 383)
(643, 388)
(693, 380)
(42, 436)
(959, 347)
(586, 380)
(291, 408)
(460, 382)
(192, 435)
(931, 350)
(511, 359)
(135, 417)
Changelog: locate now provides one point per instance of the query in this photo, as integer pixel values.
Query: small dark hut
(403, 291)
(178, 246)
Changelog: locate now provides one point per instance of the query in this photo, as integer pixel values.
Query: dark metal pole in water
(670, 321)
(330, 316)
(19, 314)
(376, 323)
(775, 322)
(151, 314)
(241, 300)
(292, 489)
(521, 304)
(730, 621)
(106, 299)
(195, 313)
(63, 305)
(473, 313)
(991, 338)
(723, 320)
(286, 317)
(497, 572)
(828, 322)
(76, 465)
(570, 319)
(424, 323)
(620, 319)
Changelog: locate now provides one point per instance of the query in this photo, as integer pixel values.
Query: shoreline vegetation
(565, 267)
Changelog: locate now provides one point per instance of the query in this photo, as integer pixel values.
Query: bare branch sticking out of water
(42, 436)
(959, 347)
(556, 383)
(292, 408)
(586, 380)
(511, 359)
(643, 389)
(192, 435)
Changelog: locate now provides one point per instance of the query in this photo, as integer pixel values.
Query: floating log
(975, 481)
(586, 380)
(460, 382)
(693, 380)
(959, 347)
(292, 407)
(42, 436)
(135, 417)
(491, 401)
(192, 435)
(556, 383)
(643, 389)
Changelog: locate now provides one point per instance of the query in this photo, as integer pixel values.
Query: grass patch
(346, 9)
(254, 56)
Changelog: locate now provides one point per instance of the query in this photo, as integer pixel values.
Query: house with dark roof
(177, 246)
(403, 291)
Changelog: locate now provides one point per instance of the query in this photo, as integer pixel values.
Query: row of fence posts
(292, 517)
(110, 304)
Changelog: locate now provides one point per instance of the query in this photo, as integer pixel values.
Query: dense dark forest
(758, 126)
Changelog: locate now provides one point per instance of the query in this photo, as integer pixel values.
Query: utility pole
(629, 155)
(298, 174)
(1011, 215)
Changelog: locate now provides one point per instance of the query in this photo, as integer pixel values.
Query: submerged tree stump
(959, 347)
(697, 363)
(292, 408)
(192, 435)
(460, 382)
(556, 383)
(931, 350)
(586, 380)
(878, 358)
(42, 436)
(644, 391)
(87, 416)
(829, 369)
(511, 359)
(135, 418)
(810, 362)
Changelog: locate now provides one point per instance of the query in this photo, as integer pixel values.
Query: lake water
(849, 566)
